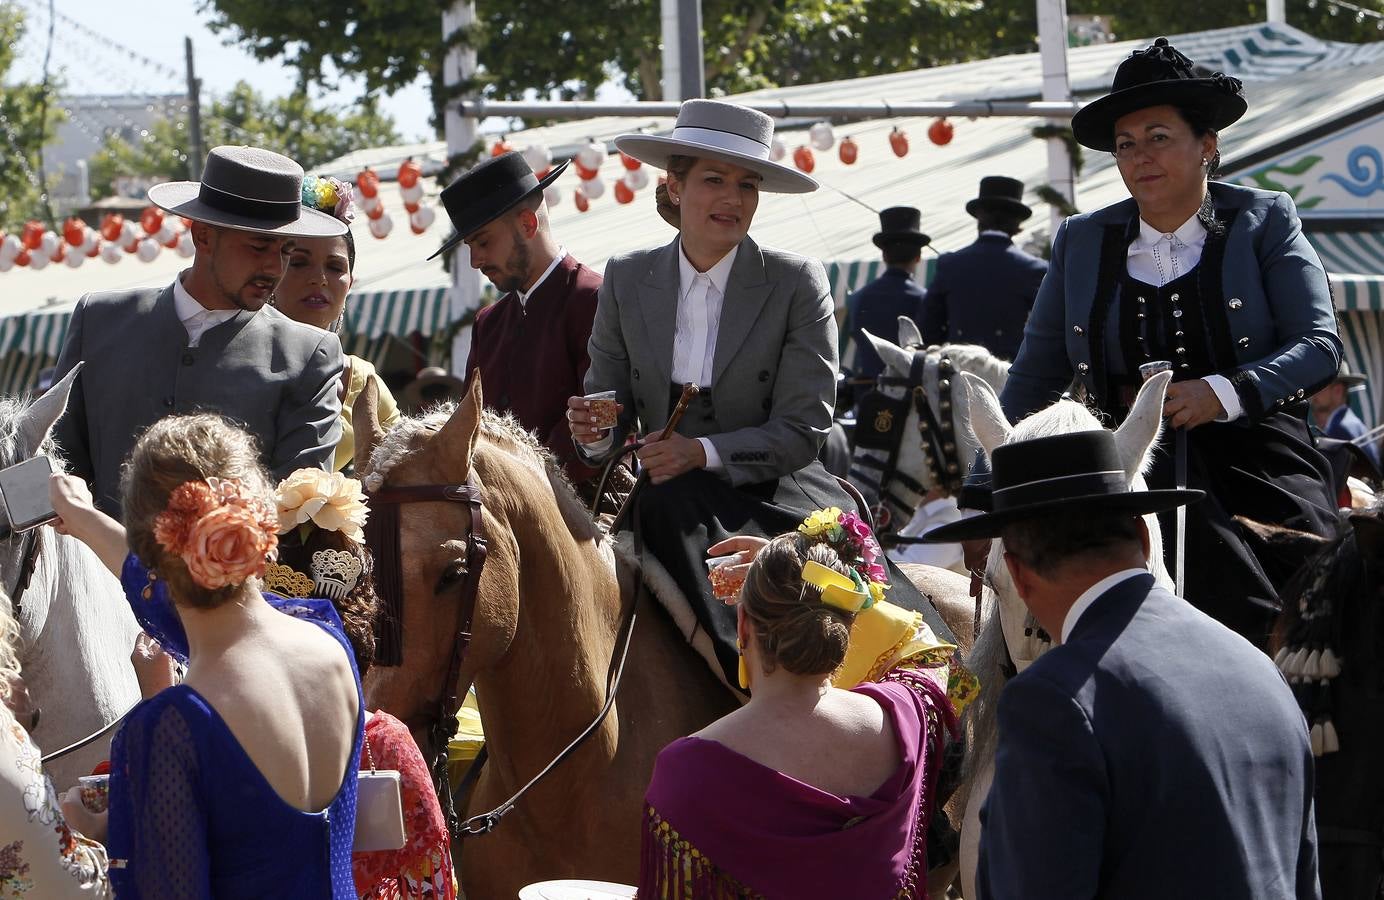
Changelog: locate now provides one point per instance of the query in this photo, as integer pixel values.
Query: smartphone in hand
(24, 491)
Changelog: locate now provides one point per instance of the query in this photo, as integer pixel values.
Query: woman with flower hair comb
(313, 291)
(241, 781)
(808, 790)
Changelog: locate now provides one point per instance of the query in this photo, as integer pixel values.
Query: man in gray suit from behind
(207, 343)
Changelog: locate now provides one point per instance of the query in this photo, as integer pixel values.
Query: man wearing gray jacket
(207, 342)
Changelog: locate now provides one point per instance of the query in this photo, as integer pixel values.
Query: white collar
(559, 257)
(1190, 233)
(719, 273)
(1089, 596)
(995, 232)
(189, 307)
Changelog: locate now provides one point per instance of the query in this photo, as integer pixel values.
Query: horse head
(1135, 438)
(543, 562)
(908, 438)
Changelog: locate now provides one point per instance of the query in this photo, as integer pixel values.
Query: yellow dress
(388, 409)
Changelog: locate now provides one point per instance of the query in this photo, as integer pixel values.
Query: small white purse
(379, 808)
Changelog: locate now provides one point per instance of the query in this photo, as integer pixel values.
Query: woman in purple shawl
(807, 790)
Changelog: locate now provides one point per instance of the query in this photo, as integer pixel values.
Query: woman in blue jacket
(1219, 280)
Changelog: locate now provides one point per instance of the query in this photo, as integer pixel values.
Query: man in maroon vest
(529, 347)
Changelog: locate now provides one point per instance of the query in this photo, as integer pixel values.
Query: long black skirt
(1268, 472)
(681, 518)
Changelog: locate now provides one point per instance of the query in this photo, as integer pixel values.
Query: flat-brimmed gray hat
(248, 189)
(714, 129)
(1352, 381)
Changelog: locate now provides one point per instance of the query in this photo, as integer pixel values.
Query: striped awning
(1355, 260)
(400, 313)
(847, 277)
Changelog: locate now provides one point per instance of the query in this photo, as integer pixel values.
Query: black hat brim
(457, 236)
(1134, 503)
(1094, 124)
(901, 237)
(1000, 204)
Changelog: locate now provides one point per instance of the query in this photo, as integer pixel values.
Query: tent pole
(461, 131)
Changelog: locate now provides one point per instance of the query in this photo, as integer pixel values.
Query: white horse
(899, 489)
(1010, 634)
(75, 627)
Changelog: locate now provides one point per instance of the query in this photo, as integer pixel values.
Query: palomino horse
(910, 438)
(545, 628)
(1010, 639)
(75, 628)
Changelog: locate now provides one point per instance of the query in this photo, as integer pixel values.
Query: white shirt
(525, 295)
(1089, 596)
(1158, 258)
(195, 317)
(933, 514)
(701, 296)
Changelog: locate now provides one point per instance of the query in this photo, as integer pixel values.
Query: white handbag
(379, 808)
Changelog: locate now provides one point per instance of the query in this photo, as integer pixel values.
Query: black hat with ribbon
(1156, 76)
(1061, 474)
(248, 189)
(900, 225)
(1000, 193)
(489, 190)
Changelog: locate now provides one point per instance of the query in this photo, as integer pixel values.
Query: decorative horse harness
(879, 438)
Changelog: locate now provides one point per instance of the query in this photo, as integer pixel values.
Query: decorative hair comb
(837, 590)
(335, 573)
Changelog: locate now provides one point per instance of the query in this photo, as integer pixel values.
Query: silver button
(1181, 350)
(1176, 298)
(1301, 393)
(1244, 342)
(1141, 300)
(1177, 314)
(1236, 303)
(1083, 368)
(1076, 329)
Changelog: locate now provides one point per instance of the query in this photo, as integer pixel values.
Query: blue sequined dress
(190, 815)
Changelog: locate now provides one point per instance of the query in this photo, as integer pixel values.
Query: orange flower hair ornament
(220, 532)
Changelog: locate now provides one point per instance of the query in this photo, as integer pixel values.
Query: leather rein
(936, 432)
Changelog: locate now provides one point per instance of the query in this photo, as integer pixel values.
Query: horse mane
(11, 452)
(980, 362)
(1064, 417)
(410, 434)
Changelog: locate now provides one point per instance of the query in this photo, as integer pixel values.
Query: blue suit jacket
(876, 308)
(1270, 298)
(1155, 754)
(982, 294)
(1345, 425)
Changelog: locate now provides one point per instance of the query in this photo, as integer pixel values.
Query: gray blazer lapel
(658, 303)
(747, 289)
(168, 330)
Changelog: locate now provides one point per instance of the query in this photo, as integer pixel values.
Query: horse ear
(458, 437)
(1137, 434)
(983, 411)
(897, 359)
(365, 421)
(36, 422)
(909, 335)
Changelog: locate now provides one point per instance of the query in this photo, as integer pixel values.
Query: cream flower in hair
(329, 500)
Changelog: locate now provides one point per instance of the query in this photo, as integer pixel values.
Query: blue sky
(155, 30)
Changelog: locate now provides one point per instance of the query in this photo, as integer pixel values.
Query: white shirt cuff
(1225, 392)
(598, 449)
(713, 459)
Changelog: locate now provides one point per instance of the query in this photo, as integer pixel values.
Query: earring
(148, 592)
(743, 673)
(675, 201)
(1203, 160)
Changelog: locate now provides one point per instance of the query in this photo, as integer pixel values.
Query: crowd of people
(1155, 750)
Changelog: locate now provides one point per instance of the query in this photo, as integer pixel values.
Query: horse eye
(451, 576)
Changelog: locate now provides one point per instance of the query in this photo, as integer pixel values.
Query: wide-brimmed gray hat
(1351, 380)
(714, 129)
(248, 189)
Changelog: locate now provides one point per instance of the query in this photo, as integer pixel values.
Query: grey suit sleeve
(803, 395)
(309, 420)
(71, 430)
(610, 361)
(1043, 826)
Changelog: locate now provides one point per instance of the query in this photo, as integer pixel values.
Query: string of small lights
(1361, 13)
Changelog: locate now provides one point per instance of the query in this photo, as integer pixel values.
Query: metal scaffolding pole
(779, 109)
(461, 130)
(1052, 41)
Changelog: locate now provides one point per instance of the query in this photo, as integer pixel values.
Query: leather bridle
(463, 576)
(880, 435)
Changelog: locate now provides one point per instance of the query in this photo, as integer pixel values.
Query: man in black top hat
(529, 347)
(981, 294)
(1152, 752)
(208, 342)
(876, 307)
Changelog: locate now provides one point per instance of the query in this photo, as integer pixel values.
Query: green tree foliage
(292, 125)
(568, 49)
(25, 128)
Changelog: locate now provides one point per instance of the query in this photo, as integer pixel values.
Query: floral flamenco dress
(190, 815)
